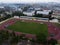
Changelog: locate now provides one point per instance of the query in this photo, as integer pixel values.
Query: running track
(51, 28)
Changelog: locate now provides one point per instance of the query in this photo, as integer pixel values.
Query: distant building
(56, 15)
(45, 13)
(19, 9)
(31, 9)
(2, 15)
(30, 13)
(37, 8)
(2, 7)
(42, 12)
(54, 20)
(8, 12)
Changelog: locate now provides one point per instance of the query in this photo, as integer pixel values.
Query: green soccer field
(29, 27)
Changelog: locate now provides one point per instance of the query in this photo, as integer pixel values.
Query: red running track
(51, 28)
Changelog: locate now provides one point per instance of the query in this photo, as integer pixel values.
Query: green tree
(17, 13)
(14, 38)
(1, 39)
(53, 41)
(50, 13)
(2, 11)
(22, 36)
(26, 8)
(41, 38)
(38, 15)
(4, 35)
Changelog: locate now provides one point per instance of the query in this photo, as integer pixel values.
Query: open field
(29, 27)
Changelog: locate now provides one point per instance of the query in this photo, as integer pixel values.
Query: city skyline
(28, 1)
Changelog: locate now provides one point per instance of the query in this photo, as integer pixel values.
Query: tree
(4, 35)
(2, 11)
(22, 36)
(1, 39)
(50, 13)
(25, 8)
(17, 13)
(41, 38)
(53, 41)
(38, 15)
(14, 38)
(35, 12)
(13, 34)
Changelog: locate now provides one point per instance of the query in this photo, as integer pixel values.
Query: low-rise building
(54, 20)
(29, 13)
(35, 11)
(56, 14)
(45, 13)
(8, 12)
(19, 9)
(42, 12)
(2, 7)
(2, 15)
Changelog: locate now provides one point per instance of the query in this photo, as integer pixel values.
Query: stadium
(31, 28)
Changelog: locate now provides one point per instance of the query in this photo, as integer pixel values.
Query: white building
(32, 12)
(44, 12)
(37, 8)
(56, 14)
(8, 12)
(29, 13)
(2, 7)
(19, 9)
(2, 15)
(47, 10)
(54, 21)
(16, 17)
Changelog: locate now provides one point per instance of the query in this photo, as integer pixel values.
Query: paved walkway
(5, 20)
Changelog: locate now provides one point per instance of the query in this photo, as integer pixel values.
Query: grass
(29, 27)
(58, 25)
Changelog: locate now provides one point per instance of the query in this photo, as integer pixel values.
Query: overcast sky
(28, 1)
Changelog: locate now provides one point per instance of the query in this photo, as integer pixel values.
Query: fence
(32, 18)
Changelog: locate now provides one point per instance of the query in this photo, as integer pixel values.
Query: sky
(27, 1)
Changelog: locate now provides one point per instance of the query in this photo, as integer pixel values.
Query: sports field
(29, 27)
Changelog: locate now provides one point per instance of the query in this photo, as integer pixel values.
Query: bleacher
(33, 18)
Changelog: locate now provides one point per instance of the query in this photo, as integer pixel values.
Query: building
(30, 13)
(8, 12)
(54, 20)
(45, 13)
(35, 11)
(2, 7)
(42, 12)
(2, 15)
(37, 8)
(19, 9)
(56, 15)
